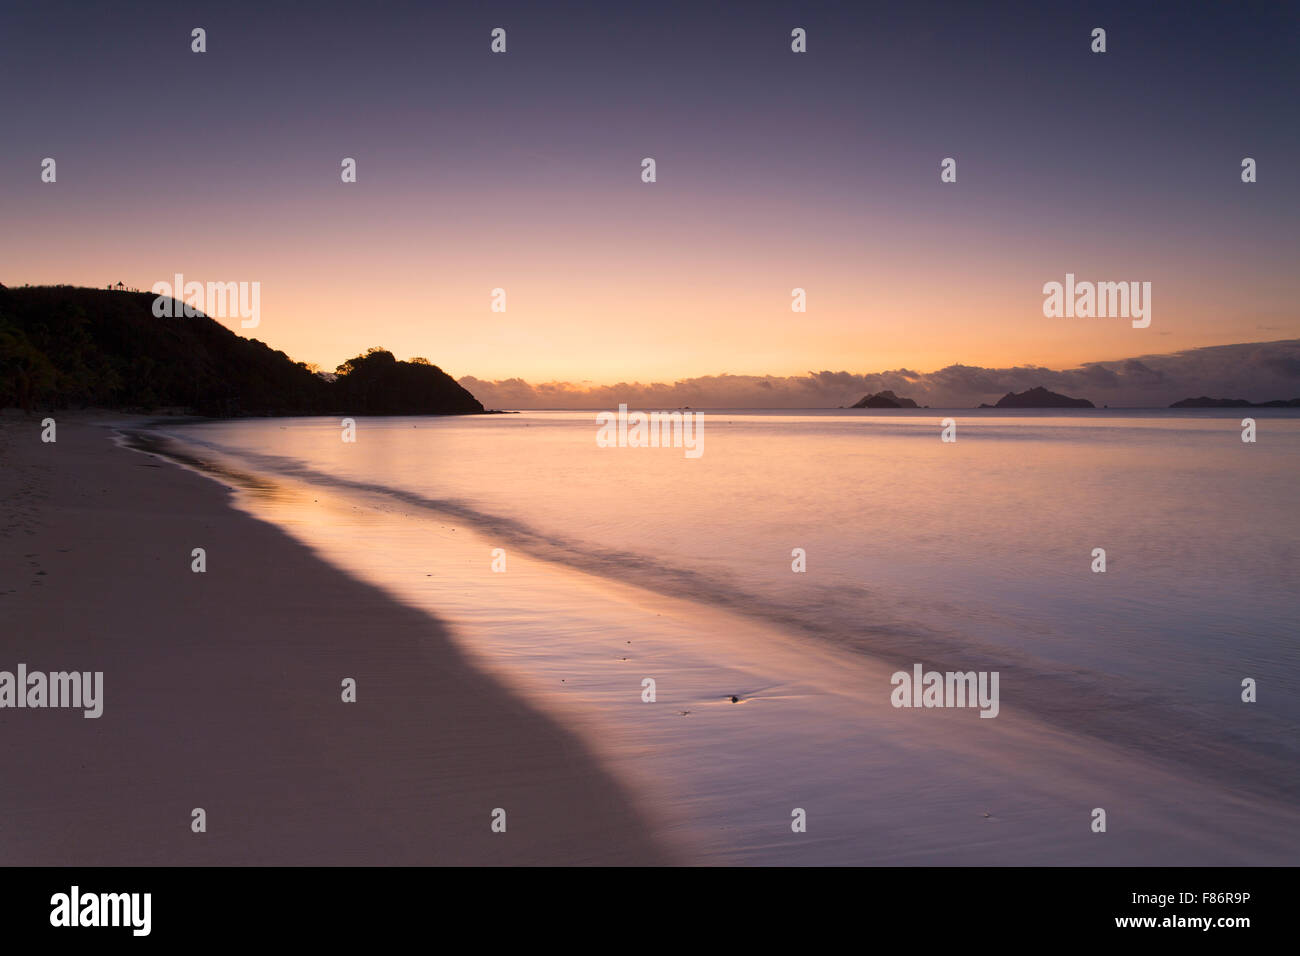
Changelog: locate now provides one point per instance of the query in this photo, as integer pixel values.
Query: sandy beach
(222, 691)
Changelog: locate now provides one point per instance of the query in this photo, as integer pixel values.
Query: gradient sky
(775, 170)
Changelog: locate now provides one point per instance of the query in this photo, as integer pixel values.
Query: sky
(775, 170)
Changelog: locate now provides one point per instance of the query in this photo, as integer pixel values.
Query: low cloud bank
(1256, 371)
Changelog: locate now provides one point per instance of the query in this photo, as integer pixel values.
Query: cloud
(1257, 371)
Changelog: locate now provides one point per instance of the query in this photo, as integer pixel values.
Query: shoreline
(222, 692)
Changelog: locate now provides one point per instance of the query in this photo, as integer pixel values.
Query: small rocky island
(1039, 397)
(885, 399)
(1205, 402)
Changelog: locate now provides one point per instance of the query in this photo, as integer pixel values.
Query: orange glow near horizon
(593, 299)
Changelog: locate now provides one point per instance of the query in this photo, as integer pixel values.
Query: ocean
(803, 559)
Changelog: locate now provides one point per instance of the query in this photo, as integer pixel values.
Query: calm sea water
(975, 554)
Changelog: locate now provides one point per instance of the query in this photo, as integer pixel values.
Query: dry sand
(222, 690)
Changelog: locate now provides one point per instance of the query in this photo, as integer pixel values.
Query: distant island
(1204, 402)
(885, 399)
(1039, 397)
(64, 346)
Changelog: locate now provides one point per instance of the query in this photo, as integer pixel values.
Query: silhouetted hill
(1204, 402)
(1039, 397)
(885, 399)
(377, 384)
(62, 346)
